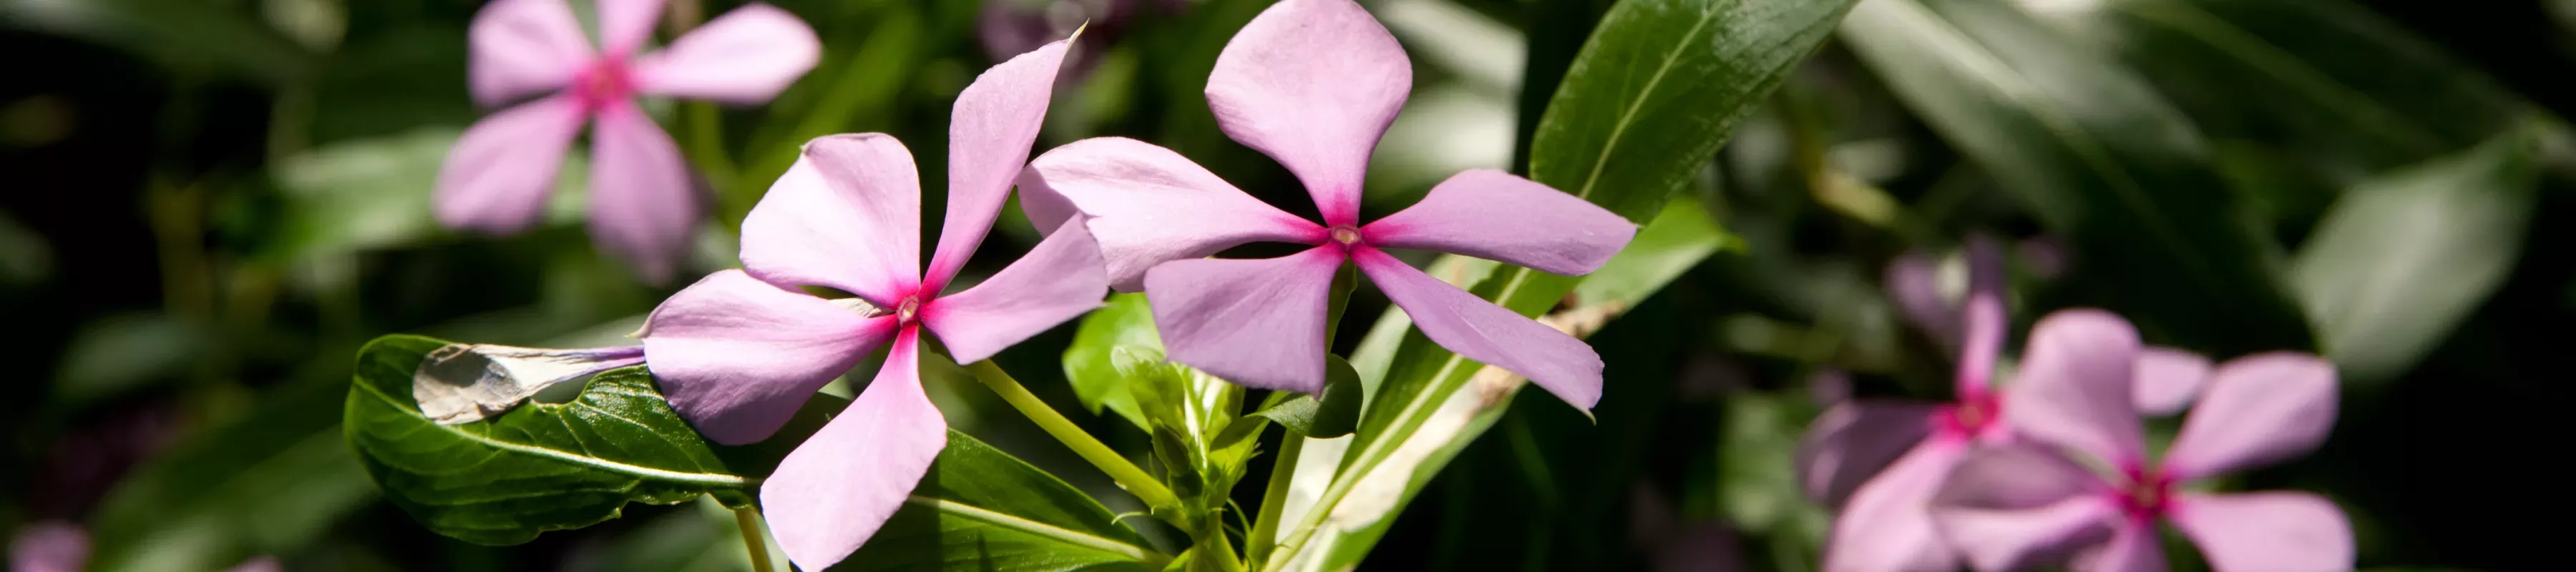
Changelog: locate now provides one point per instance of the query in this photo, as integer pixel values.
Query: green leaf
(2097, 157)
(271, 481)
(1333, 414)
(1676, 240)
(189, 35)
(2401, 260)
(123, 353)
(372, 193)
(981, 509)
(1088, 364)
(539, 467)
(1643, 107)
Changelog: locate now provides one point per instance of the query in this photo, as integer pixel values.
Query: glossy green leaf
(2097, 157)
(540, 467)
(1644, 105)
(981, 509)
(1089, 364)
(2401, 260)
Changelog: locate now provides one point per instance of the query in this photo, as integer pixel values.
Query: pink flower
(642, 207)
(1879, 462)
(2080, 484)
(739, 351)
(1313, 83)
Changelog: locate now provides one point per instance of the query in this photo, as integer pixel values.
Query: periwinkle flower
(643, 208)
(2080, 484)
(1313, 84)
(739, 351)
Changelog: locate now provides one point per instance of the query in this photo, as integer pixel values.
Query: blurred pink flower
(1313, 83)
(2079, 484)
(57, 546)
(739, 351)
(643, 208)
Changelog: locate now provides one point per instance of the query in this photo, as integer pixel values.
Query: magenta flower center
(2145, 494)
(1346, 236)
(1972, 415)
(907, 310)
(605, 83)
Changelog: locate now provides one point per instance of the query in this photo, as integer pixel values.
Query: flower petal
(1312, 83)
(2073, 388)
(737, 356)
(1056, 281)
(1487, 333)
(836, 489)
(846, 215)
(521, 47)
(643, 205)
(2131, 549)
(2266, 532)
(1851, 442)
(1913, 283)
(1887, 526)
(624, 25)
(2015, 506)
(989, 133)
(1149, 205)
(496, 178)
(1254, 322)
(1494, 215)
(2167, 379)
(745, 56)
(49, 546)
(1982, 318)
(2258, 409)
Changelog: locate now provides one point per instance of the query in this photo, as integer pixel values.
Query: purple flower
(2080, 484)
(1313, 83)
(642, 206)
(739, 351)
(1880, 462)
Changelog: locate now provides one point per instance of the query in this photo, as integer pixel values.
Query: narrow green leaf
(540, 467)
(2092, 151)
(1088, 364)
(1645, 104)
(981, 509)
(2401, 260)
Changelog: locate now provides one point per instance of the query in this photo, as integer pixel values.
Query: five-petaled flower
(1314, 83)
(643, 208)
(1879, 462)
(2078, 484)
(739, 351)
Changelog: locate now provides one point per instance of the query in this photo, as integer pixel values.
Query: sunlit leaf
(1089, 364)
(981, 509)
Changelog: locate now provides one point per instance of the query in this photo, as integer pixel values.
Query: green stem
(1136, 480)
(749, 519)
(1265, 530)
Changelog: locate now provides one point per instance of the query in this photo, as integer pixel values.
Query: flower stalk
(1128, 475)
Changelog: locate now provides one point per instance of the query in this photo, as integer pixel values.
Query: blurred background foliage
(214, 202)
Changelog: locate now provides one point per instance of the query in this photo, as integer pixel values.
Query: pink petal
(1982, 318)
(643, 207)
(259, 564)
(989, 133)
(1312, 83)
(522, 47)
(1913, 283)
(1851, 442)
(1056, 281)
(49, 546)
(2073, 388)
(1497, 216)
(1887, 526)
(745, 56)
(2266, 532)
(2258, 409)
(2131, 549)
(1487, 333)
(2168, 378)
(737, 356)
(624, 25)
(1257, 323)
(846, 215)
(2016, 506)
(1149, 205)
(836, 489)
(496, 178)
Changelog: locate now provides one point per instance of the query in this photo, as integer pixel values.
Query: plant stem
(749, 519)
(1136, 480)
(1265, 529)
